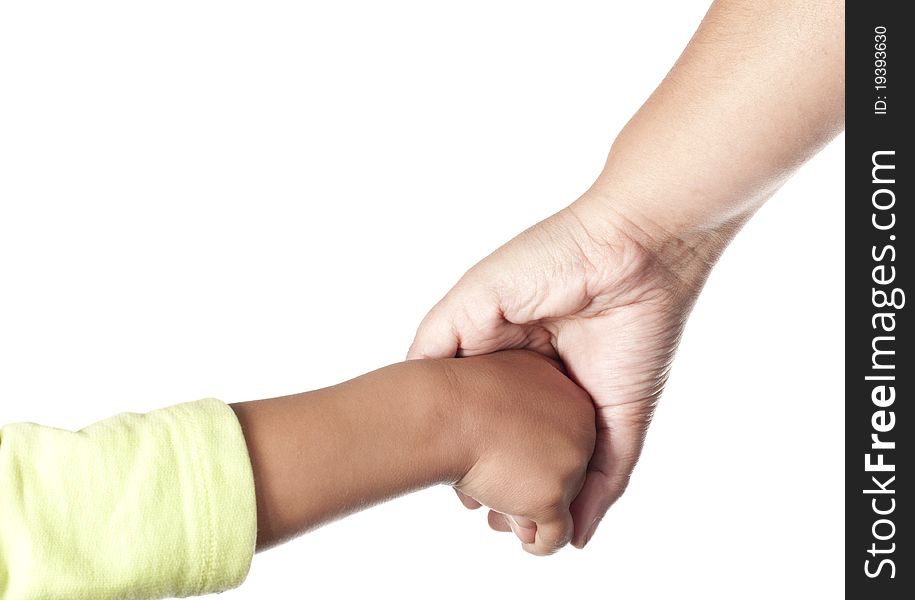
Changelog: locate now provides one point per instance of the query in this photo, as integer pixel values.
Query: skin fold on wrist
(397, 429)
(674, 258)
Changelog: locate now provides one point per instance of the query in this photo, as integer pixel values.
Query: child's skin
(162, 504)
(509, 430)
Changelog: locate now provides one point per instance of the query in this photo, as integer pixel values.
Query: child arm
(321, 455)
(172, 503)
(142, 506)
(509, 430)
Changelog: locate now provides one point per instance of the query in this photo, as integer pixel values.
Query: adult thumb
(436, 336)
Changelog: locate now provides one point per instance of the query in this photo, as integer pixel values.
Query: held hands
(528, 432)
(586, 289)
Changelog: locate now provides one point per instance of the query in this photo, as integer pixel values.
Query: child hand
(530, 432)
(508, 430)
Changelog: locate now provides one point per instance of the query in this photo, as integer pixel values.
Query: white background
(244, 200)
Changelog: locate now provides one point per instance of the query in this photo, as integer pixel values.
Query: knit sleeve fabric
(137, 506)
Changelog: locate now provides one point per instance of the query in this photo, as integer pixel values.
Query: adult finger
(436, 336)
(617, 449)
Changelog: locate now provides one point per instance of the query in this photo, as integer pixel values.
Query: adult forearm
(321, 455)
(758, 90)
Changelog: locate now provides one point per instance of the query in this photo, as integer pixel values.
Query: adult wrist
(636, 218)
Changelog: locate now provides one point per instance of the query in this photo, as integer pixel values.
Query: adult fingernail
(591, 531)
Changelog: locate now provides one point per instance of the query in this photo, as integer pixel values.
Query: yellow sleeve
(136, 506)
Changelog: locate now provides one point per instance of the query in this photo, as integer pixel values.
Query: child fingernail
(525, 534)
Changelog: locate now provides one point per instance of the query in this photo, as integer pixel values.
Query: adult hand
(581, 287)
(606, 284)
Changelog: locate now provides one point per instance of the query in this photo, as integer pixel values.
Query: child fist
(530, 433)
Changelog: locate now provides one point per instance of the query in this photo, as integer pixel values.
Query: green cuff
(136, 506)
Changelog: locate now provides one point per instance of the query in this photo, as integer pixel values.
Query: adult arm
(607, 283)
(758, 90)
